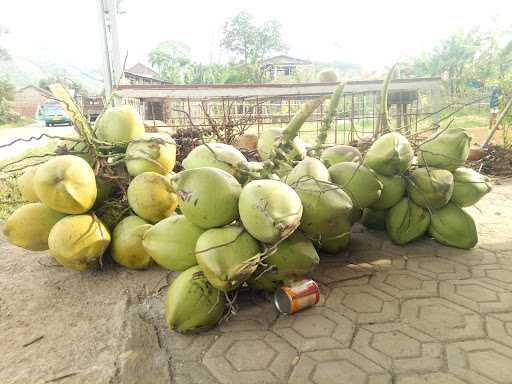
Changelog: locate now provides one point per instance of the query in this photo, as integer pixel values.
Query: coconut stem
(383, 123)
(329, 118)
(298, 120)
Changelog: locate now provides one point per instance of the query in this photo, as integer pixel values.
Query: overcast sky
(374, 33)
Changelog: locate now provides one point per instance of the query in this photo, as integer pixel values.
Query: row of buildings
(170, 106)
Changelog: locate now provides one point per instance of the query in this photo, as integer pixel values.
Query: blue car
(54, 115)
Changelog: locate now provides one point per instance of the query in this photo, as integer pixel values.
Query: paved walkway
(422, 313)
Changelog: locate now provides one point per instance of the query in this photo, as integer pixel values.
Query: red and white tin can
(298, 295)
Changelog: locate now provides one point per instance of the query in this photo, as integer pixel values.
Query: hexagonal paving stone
(363, 304)
(430, 378)
(261, 355)
(480, 361)
(438, 268)
(470, 257)
(499, 327)
(442, 319)
(328, 273)
(398, 347)
(337, 366)
(251, 316)
(495, 274)
(477, 295)
(315, 328)
(249, 357)
(404, 284)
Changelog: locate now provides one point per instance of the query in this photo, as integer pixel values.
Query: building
(29, 99)
(284, 68)
(141, 74)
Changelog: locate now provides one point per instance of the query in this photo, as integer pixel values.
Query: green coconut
(340, 154)
(126, 248)
(227, 256)
(406, 222)
(192, 304)
(309, 168)
(270, 210)
(393, 189)
(151, 197)
(25, 185)
(78, 242)
(208, 196)
(454, 227)
(326, 208)
(29, 226)
(430, 188)
(449, 150)
(172, 243)
(66, 184)
(217, 155)
(469, 187)
(153, 153)
(337, 243)
(328, 76)
(391, 154)
(295, 257)
(271, 138)
(374, 219)
(119, 125)
(360, 182)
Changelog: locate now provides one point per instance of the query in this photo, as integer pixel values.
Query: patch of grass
(20, 123)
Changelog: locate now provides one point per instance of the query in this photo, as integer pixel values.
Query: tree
(251, 42)
(65, 81)
(170, 59)
(462, 57)
(4, 55)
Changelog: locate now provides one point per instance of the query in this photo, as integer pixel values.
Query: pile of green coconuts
(225, 222)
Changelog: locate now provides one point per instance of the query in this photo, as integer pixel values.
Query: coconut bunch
(426, 193)
(67, 211)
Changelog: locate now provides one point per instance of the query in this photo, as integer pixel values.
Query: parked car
(54, 115)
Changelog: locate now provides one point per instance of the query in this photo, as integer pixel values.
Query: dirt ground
(422, 313)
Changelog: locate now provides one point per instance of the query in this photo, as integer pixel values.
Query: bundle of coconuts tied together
(225, 222)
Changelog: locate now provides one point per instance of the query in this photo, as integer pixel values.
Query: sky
(372, 33)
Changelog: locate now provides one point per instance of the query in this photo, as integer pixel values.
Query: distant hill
(23, 71)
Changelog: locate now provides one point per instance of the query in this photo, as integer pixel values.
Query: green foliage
(4, 55)
(67, 82)
(252, 43)
(171, 59)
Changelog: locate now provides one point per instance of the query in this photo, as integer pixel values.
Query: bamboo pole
(502, 115)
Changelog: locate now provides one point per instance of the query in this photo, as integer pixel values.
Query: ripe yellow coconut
(120, 125)
(29, 226)
(66, 184)
(154, 153)
(78, 242)
(127, 248)
(151, 197)
(26, 185)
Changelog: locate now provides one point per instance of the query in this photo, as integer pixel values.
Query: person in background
(493, 104)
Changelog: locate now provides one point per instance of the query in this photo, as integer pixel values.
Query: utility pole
(109, 40)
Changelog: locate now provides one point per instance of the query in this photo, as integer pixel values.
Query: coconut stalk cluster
(225, 222)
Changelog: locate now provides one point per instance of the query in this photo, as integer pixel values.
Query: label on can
(297, 296)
